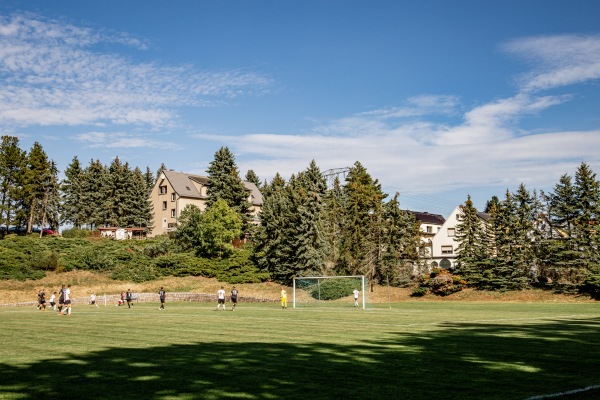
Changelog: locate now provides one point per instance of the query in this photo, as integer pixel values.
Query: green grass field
(415, 350)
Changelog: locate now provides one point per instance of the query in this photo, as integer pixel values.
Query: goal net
(330, 290)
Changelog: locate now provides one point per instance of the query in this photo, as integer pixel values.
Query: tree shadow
(452, 361)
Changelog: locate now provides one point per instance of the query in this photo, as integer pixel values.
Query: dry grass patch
(84, 283)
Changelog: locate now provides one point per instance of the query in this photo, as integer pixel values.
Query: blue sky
(437, 99)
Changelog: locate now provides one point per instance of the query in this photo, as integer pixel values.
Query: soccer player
(52, 301)
(283, 298)
(234, 294)
(221, 298)
(67, 311)
(161, 295)
(128, 298)
(93, 299)
(61, 299)
(356, 292)
(42, 300)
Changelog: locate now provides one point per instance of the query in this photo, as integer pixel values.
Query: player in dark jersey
(42, 300)
(234, 295)
(162, 294)
(129, 298)
(61, 299)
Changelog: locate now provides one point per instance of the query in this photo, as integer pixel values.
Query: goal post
(330, 289)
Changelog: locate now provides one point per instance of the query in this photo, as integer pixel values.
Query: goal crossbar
(362, 284)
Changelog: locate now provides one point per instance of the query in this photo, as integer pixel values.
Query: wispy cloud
(557, 60)
(53, 74)
(122, 140)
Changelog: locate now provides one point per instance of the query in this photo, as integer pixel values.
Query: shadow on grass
(456, 361)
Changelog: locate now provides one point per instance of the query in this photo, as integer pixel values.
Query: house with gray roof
(175, 190)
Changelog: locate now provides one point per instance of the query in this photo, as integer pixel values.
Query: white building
(443, 243)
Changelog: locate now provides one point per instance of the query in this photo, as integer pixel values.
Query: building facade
(175, 190)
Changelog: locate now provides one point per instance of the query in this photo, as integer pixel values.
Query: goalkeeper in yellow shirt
(283, 298)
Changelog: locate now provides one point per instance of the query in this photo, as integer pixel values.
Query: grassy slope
(84, 283)
(416, 350)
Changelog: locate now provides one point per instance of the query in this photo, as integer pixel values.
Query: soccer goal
(331, 290)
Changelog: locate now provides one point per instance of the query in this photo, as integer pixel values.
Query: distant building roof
(427, 218)
(483, 216)
(180, 181)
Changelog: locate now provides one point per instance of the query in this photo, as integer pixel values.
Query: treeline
(307, 229)
(31, 193)
(544, 239)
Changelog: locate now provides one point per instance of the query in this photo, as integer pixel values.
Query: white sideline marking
(568, 392)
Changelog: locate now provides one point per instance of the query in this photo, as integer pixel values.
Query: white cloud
(122, 140)
(53, 76)
(558, 60)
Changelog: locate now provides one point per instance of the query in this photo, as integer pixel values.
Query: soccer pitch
(413, 350)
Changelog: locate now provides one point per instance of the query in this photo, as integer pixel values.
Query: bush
(15, 265)
(591, 286)
(420, 291)
(138, 272)
(76, 233)
(239, 268)
(333, 289)
(439, 282)
(47, 260)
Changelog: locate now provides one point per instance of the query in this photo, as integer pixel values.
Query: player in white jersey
(221, 298)
(356, 292)
(67, 310)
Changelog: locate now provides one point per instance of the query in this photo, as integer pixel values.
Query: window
(446, 249)
(172, 196)
(164, 205)
(172, 213)
(451, 232)
(428, 229)
(458, 217)
(162, 189)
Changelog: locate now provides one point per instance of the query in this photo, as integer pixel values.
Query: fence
(152, 298)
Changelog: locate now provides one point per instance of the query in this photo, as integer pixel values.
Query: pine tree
(273, 250)
(34, 184)
(311, 249)
(226, 184)
(334, 221)
(252, 177)
(71, 188)
(50, 203)
(400, 241)
(150, 179)
(509, 272)
(360, 250)
(12, 165)
(117, 202)
(470, 235)
(142, 210)
(587, 198)
(159, 171)
(94, 192)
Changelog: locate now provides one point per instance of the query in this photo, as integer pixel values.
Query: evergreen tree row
(547, 239)
(307, 229)
(32, 195)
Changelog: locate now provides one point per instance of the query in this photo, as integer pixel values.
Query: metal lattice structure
(332, 173)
